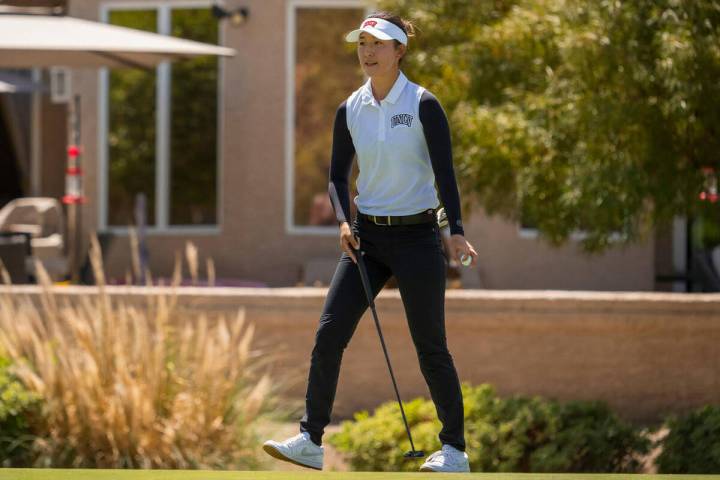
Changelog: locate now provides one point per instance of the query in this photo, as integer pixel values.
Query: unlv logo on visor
(369, 23)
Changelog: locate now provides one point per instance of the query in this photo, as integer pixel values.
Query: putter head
(414, 454)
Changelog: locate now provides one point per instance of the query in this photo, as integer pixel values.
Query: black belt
(427, 216)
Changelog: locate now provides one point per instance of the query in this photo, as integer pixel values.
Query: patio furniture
(14, 250)
(42, 220)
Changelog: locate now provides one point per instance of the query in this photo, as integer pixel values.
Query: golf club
(368, 292)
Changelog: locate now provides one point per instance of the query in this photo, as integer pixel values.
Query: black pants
(412, 253)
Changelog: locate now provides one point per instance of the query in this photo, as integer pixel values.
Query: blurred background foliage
(575, 115)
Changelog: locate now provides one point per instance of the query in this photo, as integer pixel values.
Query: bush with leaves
(517, 434)
(693, 443)
(17, 404)
(592, 116)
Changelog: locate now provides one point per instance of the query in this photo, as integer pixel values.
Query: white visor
(378, 28)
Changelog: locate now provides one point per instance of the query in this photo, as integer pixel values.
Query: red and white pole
(73, 197)
(73, 177)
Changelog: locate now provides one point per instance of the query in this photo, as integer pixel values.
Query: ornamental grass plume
(128, 386)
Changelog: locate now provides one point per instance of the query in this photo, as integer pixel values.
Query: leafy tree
(577, 115)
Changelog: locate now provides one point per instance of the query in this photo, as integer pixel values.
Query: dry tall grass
(127, 386)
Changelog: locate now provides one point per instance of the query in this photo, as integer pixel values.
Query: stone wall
(645, 354)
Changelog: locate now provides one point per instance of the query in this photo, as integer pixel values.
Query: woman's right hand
(348, 241)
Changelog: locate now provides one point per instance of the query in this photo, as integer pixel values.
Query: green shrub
(16, 406)
(517, 434)
(693, 443)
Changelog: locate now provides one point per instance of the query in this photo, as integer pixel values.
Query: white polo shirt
(396, 176)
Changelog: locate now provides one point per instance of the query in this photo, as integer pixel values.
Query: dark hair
(404, 25)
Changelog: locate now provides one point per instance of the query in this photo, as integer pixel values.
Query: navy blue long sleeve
(343, 151)
(437, 137)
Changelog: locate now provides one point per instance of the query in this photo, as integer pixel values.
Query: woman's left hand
(459, 247)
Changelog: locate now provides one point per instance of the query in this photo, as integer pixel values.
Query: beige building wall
(511, 259)
(252, 241)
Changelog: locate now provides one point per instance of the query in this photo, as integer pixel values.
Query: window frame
(162, 124)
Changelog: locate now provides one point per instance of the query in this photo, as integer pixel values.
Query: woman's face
(378, 57)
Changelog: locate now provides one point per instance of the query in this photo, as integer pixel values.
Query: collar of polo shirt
(392, 95)
(378, 28)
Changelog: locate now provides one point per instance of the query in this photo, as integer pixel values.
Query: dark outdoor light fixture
(237, 16)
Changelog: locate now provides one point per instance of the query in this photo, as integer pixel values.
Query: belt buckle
(389, 222)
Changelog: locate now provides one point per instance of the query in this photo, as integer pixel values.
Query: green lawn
(53, 474)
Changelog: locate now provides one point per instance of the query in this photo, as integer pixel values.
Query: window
(159, 129)
(132, 133)
(323, 71)
(527, 218)
(193, 125)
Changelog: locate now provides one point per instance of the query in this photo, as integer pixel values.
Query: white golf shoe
(299, 450)
(449, 459)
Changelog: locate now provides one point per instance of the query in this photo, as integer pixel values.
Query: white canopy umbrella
(28, 41)
(10, 83)
(7, 87)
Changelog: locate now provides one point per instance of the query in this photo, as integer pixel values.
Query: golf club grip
(364, 277)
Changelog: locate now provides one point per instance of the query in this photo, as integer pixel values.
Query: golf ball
(466, 260)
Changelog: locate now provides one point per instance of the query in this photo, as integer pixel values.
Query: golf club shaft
(368, 292)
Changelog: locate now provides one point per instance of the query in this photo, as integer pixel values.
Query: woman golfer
(401, 137)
